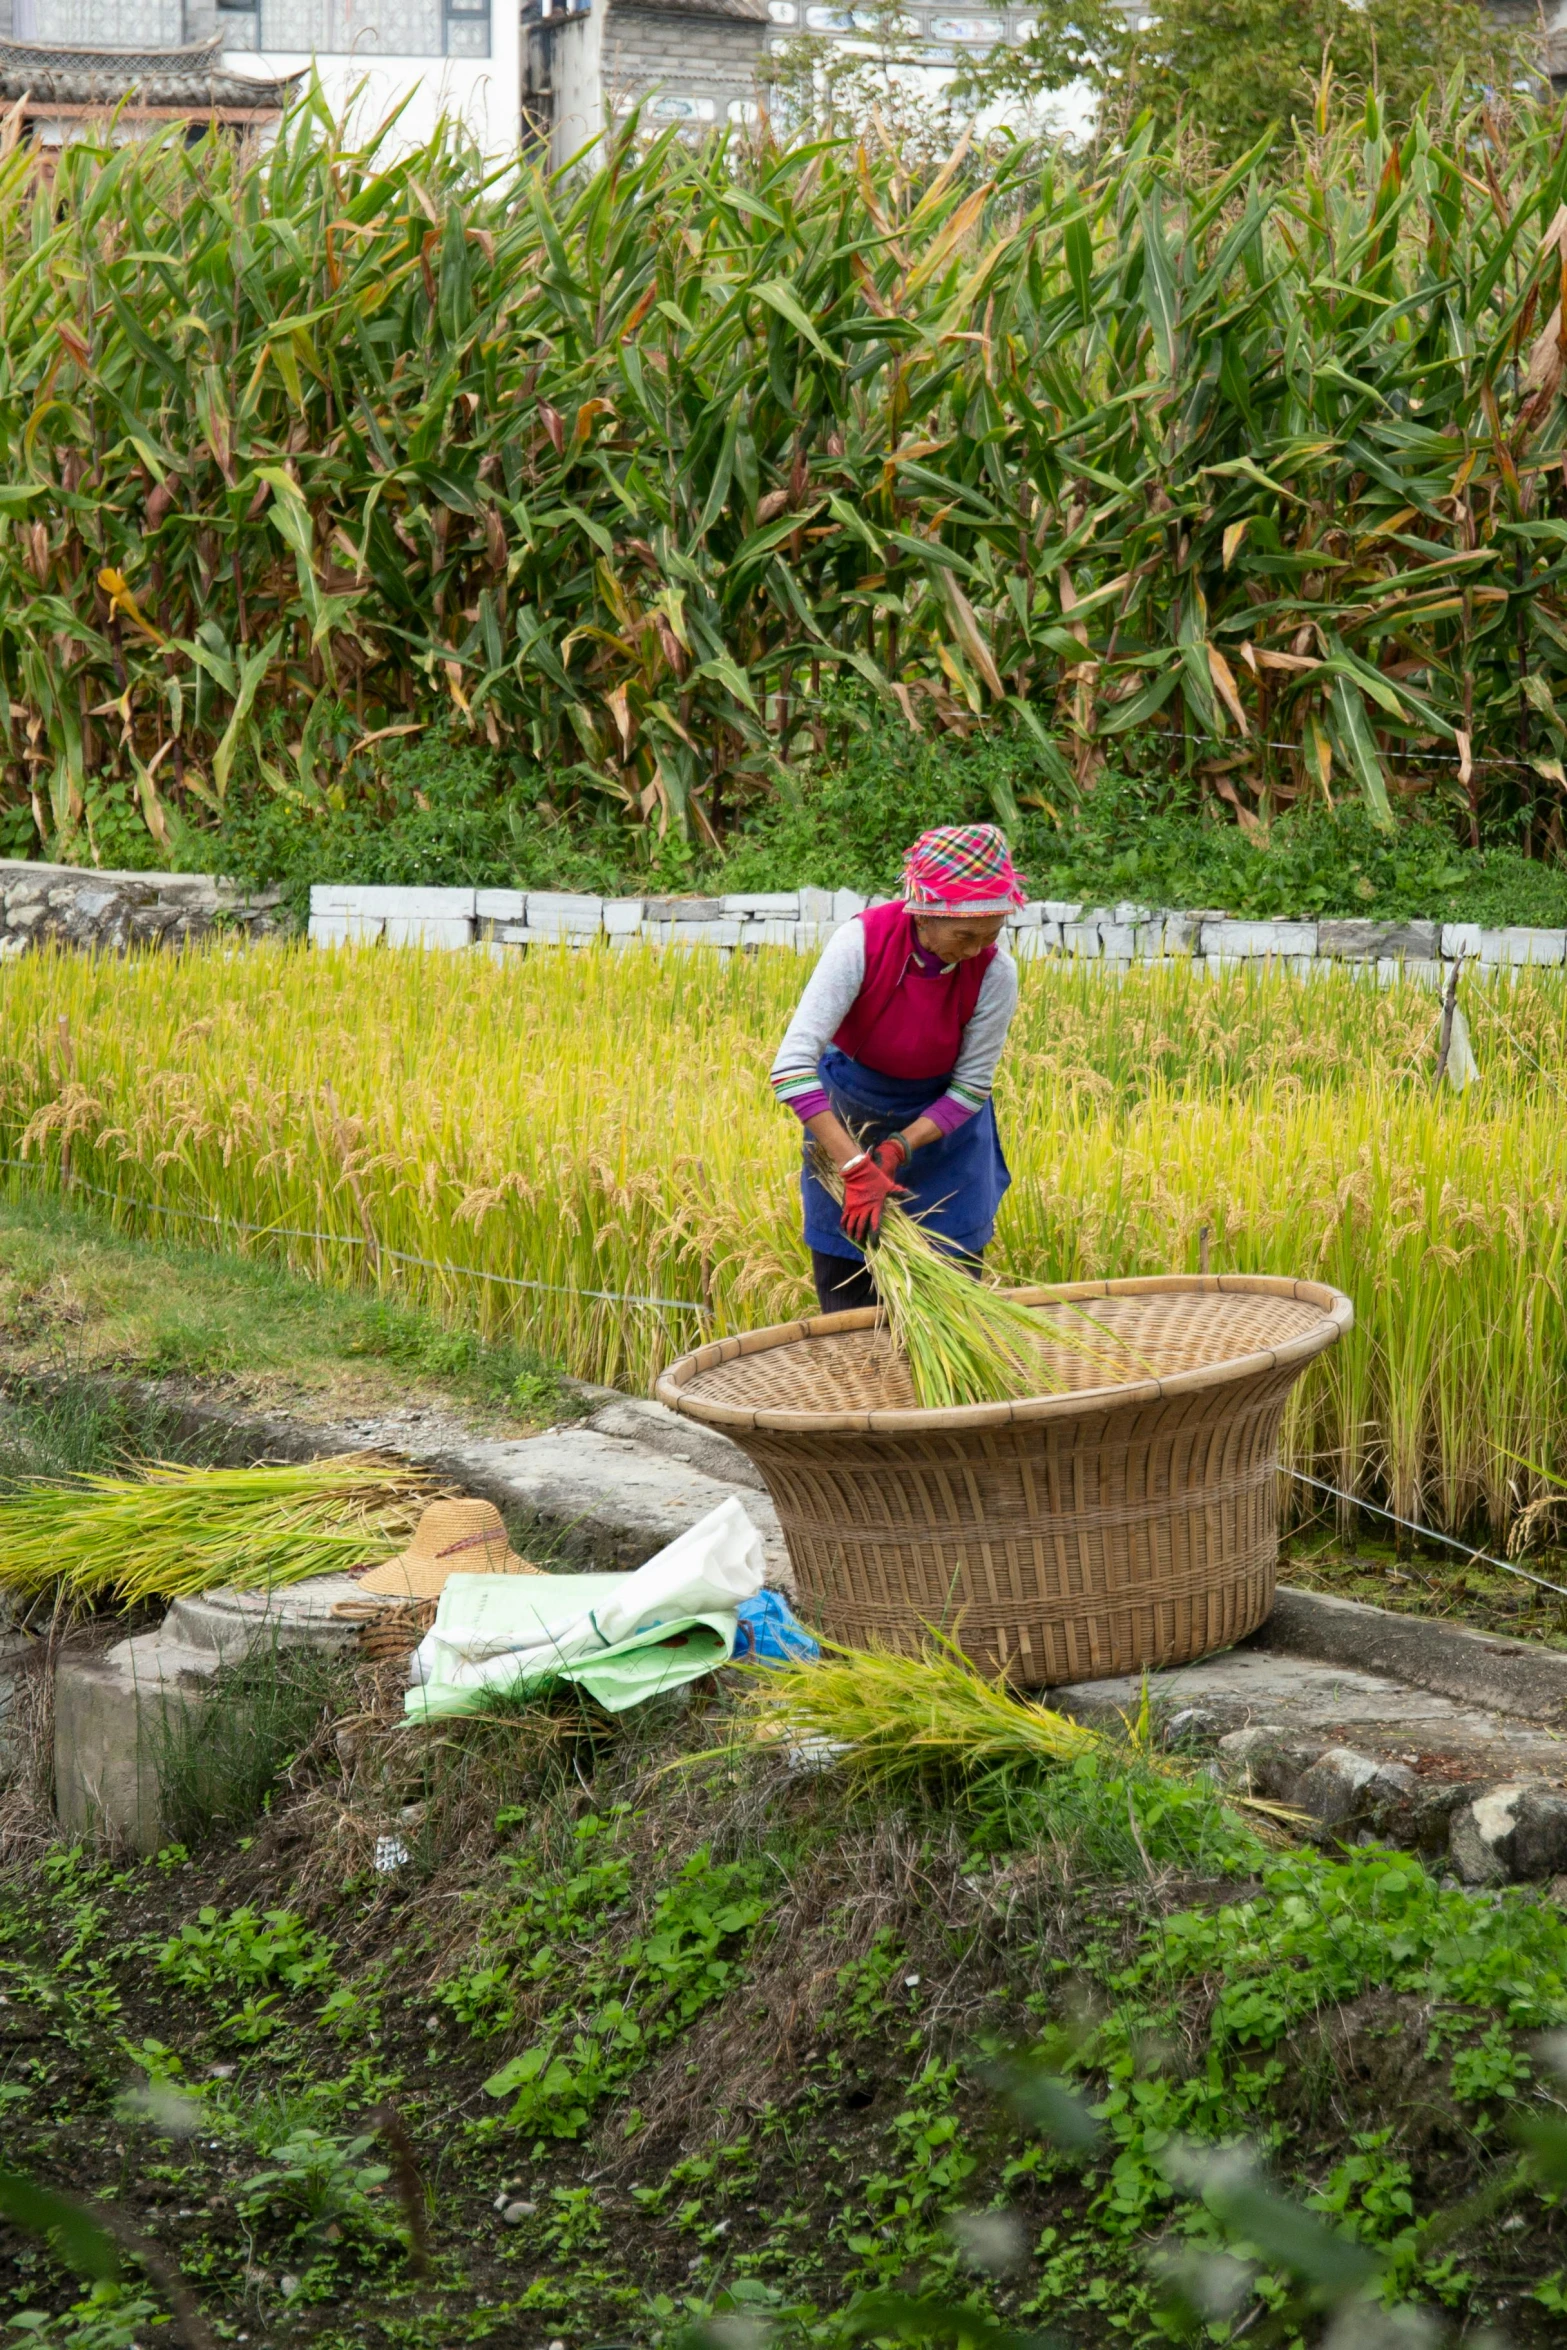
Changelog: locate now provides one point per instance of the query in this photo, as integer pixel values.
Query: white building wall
(579, 85)
(370, 54)
(483, 91)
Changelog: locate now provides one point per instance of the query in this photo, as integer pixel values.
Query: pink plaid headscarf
(961, 869)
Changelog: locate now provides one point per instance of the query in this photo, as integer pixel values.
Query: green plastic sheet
(493, 1611)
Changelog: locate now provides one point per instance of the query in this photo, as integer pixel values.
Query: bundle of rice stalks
(888, 1721)
(963, 1341)
(891, 1718)
(171, 1531)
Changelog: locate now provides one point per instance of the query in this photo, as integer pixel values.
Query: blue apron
(957, 1182)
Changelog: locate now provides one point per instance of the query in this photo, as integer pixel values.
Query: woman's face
(961, 940)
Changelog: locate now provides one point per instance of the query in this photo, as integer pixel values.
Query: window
(359, 28)
(101, 24)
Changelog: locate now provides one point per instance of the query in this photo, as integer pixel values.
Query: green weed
(111, 2317)
(263, 1958)
(1113, 1817)
(219, 1758)
(64, 1428)
(624, 2010)
(180, 1348)
(319, 2188)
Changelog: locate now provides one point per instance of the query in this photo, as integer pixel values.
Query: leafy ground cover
(446, 814)
(620, 2048)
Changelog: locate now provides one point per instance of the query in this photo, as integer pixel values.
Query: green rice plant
(172, 1531)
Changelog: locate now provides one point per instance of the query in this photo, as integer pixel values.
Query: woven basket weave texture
(1130, 1522)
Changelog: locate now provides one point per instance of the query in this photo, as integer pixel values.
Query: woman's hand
(831, 1135)
(867, 1187)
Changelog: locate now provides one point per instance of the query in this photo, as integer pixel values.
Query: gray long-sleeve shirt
(830, 992)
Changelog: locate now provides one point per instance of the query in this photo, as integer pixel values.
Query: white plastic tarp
(621, 1637)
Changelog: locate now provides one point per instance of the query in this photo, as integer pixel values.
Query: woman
(889, 1060)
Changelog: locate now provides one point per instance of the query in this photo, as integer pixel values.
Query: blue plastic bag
(768, 1632)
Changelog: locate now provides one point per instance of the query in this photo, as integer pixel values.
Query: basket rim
(1337, 1311)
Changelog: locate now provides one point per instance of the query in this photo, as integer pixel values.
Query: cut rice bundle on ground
(887, 1721)
(172, 1530)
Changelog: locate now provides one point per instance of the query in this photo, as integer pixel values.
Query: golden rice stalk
(965, 1342)
(173, 1531)
(892, 1717)
(885, 1718)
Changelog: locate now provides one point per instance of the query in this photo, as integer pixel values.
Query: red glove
(868, 1185)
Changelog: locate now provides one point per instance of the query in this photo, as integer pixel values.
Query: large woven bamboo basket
(1066, 1538)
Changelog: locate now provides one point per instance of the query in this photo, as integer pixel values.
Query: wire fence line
(378, 1248)
(1427, 1533)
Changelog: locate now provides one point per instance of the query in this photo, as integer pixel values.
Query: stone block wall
(73, 906)
(509, 921)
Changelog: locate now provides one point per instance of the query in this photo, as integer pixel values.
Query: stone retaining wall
(77, 906)
(82, 907)
(509, 921)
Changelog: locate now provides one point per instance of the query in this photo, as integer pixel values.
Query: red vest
(902, 1023)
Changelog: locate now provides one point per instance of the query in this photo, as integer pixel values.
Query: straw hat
(452, 1538)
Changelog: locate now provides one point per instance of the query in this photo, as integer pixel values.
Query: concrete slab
(112, 1709)
(624, 1500)
(658, 1429)
(1306, 1698)
(1509, 1676)
(221, 1625)
(109, 1711)
(16, 1656)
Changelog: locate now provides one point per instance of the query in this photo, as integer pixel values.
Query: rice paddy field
(599, 1125)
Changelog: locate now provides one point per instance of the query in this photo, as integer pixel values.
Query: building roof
(193, 77)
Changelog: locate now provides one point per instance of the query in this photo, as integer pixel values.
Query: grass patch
(1429, 1581)
(447, 814)
(71, 1428)
(219, 1761)
(78, 1296)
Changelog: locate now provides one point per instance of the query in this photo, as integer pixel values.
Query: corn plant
(310, 451)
